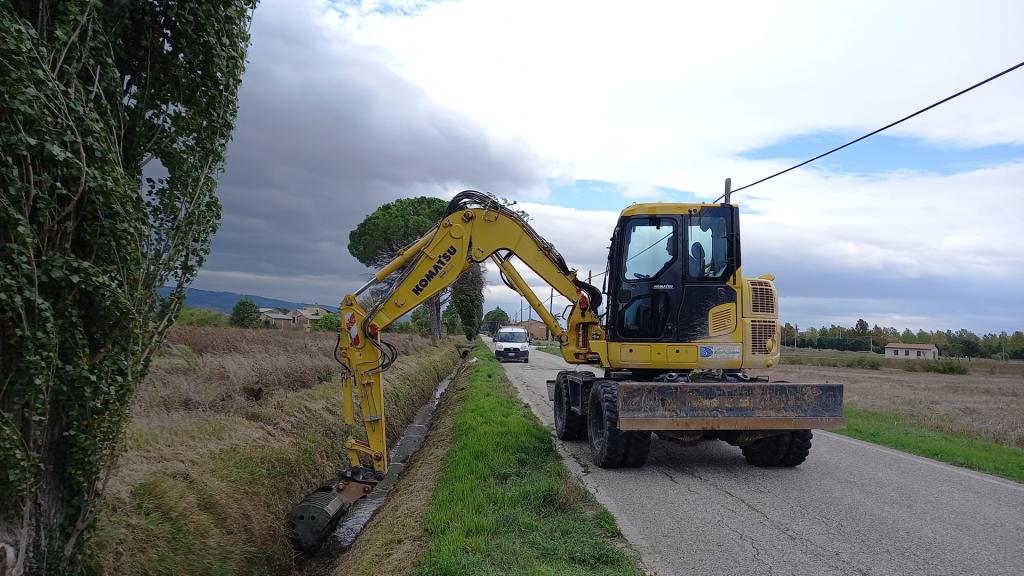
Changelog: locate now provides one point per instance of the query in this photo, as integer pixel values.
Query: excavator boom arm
(475, 229)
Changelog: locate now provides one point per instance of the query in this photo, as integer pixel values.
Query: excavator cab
(669, 267)
(677, 297)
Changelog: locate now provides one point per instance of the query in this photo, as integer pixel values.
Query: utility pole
(551, 309)
(520, 310)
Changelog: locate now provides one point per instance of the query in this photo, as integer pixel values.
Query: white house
(911, 351)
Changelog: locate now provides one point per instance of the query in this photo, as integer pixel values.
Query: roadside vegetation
(504, 503)
(550, 347)
(230, 429)
(191, 316)
(862, 361)
(943, 366)
(919, 436)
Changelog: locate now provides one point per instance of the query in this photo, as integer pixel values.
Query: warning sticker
(721, 351)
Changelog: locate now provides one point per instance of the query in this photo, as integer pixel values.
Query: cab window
(650, 247)
(707, 245)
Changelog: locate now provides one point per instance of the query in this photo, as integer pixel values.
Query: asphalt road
(852, 508)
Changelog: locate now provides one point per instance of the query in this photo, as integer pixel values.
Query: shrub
(246, 314)
(947, 366)
(943, 366)
(326, 323)
(202, 317)
(864, 362)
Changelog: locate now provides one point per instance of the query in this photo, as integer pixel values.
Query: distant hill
(225, 301)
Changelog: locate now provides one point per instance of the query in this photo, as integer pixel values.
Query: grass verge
(505, 504)
(909, 434)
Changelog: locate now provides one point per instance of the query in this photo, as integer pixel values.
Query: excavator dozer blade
(729, 406)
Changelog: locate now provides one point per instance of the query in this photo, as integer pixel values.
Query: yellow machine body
(743, 334)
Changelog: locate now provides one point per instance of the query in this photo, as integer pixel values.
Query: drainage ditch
(352, 523)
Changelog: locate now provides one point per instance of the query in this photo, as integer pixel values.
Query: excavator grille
(762, 297)
(722, 321)
(760, 332)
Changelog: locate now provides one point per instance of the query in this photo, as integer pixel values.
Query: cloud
(906, 250)
(346, 106)
(668, 93)
(326, 133)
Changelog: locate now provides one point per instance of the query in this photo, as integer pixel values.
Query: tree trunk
(43, 538)
(434, 309)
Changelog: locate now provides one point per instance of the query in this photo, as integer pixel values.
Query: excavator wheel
(638, 447)
(784, 450)
(610, 447)
(568, 424)
(767, 452)
(607, 444)
(799, 448)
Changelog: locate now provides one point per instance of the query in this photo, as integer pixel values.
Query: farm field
(986, 403)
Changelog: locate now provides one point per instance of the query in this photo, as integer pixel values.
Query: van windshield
(511, 337)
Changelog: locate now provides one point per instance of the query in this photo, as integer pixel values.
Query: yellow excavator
(673, 344)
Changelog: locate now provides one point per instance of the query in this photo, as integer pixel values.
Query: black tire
(568, 424)
(526, 360)
(607, 442)
(638, 447)
(610, 447)
(767, 452)
(799, 448)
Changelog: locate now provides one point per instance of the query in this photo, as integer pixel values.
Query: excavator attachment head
(311, 520)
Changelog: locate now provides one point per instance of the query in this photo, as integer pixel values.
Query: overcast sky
(577, 109)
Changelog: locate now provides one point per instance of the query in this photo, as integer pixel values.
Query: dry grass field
(229, 430)
(986, 403)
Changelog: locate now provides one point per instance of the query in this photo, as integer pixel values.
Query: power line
(850, 143)
(883, 128)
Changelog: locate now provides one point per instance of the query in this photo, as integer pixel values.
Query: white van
(512, 343)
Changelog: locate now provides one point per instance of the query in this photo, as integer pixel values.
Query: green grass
(504, 503)
(862, 361)
(906, 433)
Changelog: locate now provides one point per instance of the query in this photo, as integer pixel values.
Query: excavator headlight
(769, 345)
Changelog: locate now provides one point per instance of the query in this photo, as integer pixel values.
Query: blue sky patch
(604, 195)
(883, 153)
